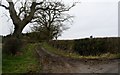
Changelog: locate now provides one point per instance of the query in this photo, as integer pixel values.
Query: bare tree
(24, 14)
(53, 20)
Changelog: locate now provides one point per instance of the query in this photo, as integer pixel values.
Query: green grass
(23, 63)
(77, 56)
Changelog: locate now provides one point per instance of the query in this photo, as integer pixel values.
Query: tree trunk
(19, 27)
(17, 31)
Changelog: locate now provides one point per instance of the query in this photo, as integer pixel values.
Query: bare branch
(51, 18)
(39, 3)
(4, 6)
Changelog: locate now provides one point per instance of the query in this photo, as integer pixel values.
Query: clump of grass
(23, 63)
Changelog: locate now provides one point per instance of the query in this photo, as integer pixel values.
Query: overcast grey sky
(92, 17)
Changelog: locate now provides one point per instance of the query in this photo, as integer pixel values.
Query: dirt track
(56, 64)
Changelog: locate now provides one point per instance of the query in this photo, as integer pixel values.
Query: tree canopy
(52, 21)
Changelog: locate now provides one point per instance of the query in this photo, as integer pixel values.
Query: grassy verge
(25, 62)
(77, 56)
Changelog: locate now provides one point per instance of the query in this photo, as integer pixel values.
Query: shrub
(92, 47)
(66, 45)
(12, 46)
(89, 46)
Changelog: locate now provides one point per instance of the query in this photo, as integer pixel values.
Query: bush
(12, 46)
(92, 47)
(89, 46)
(66, 45)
